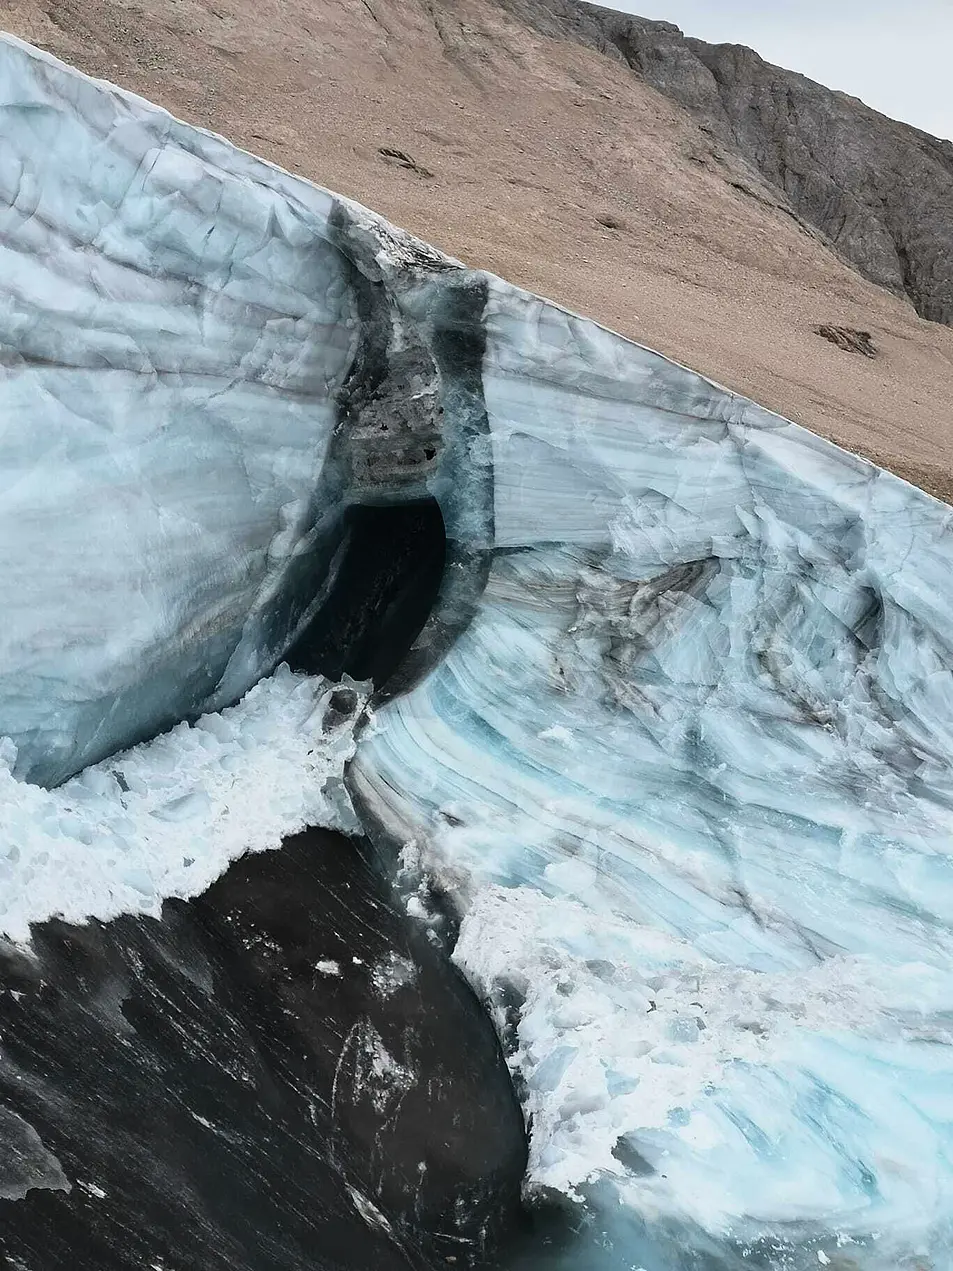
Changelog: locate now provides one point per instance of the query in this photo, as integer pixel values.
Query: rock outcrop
(879, 191)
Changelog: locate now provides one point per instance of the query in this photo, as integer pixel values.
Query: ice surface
(166, 818)
(201, 369)
(686, 768)
(745, 1105)
(173, 327)
(26, 1162)
(688, 774)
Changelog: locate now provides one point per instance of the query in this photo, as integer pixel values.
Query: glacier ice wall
(676, 738)
(201, 369)
(172, 333)
(688, 774)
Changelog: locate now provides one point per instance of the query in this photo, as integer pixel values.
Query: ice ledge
(198, 351)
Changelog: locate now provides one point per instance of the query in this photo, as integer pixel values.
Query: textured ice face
(688, 772)
(679, 733)
(200, 368)
(173, 329)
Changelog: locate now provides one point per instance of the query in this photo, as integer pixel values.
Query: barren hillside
(880, 191)
(488, 128)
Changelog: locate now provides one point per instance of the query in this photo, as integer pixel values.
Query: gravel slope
(551, 164)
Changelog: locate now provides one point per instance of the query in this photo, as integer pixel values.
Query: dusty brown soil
(548, 164)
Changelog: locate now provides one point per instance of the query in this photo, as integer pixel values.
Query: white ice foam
(165, 818)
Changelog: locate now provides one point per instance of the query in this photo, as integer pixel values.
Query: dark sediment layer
(283, 1073)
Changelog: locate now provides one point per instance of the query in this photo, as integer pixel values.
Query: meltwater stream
(631, 699)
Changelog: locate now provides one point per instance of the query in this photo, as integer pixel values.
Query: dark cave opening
(385, 586)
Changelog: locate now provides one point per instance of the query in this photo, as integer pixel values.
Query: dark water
(216, 1096)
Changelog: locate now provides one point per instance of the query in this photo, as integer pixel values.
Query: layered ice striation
(183, 332)
(675, 738)
(688, 773)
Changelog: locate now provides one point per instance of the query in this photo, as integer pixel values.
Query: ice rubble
(166, 818)
(686, 768)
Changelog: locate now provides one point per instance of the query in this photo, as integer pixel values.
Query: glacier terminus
(637, 698)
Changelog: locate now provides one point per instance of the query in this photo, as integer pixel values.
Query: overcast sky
(896, 55)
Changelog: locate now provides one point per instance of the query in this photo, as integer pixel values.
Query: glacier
(688, 774)
(673, 742)
(166, 817)
(192, 327)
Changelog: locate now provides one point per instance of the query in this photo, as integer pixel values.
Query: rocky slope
(880, 192)
(500, 130)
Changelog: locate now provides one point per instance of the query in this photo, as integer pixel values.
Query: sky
(896, 55)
